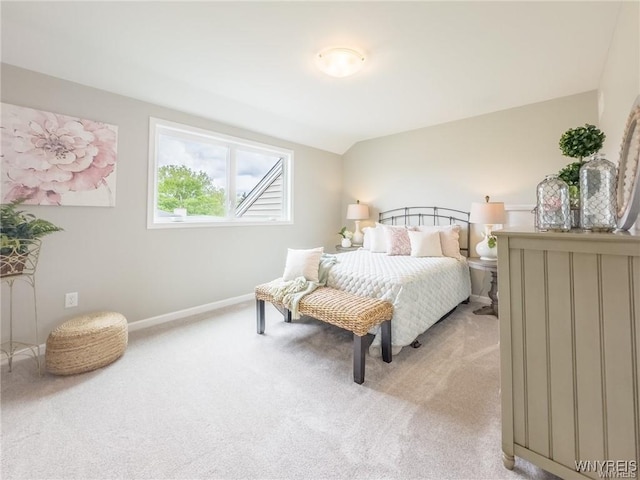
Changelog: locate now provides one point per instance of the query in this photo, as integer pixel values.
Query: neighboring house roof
(266, 196)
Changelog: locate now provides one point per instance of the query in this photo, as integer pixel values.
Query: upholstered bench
(346, 310)
(86, 343)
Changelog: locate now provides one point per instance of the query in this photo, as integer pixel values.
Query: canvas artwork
(53, 159)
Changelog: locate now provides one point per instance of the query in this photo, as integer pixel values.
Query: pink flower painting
(52, 159)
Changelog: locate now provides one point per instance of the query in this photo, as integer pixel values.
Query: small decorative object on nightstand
(346, 237)
(491, 266)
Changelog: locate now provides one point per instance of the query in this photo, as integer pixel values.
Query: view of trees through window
(181, 187)
(196, 175)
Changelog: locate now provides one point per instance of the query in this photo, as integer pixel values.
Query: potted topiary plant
(580, 142)
(19, 238)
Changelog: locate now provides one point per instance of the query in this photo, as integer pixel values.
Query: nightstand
(340, 248)
(491, 266)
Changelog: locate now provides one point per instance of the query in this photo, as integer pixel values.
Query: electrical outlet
(71, 300)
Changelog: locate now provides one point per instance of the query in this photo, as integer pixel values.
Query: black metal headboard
(433, 216)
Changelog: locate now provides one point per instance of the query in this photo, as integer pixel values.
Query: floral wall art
(53, 159)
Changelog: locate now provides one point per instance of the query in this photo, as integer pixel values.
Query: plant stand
(14, 348)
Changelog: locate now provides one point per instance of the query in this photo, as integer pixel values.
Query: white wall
(503, 154)
(620, 82)
(109, 257)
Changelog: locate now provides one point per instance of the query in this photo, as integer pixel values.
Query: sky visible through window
(251, 167)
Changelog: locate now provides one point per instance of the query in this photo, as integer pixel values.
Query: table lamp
(489, 213)
(357, 211)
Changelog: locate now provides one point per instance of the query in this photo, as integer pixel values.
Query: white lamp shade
(489, 213)
(357, 211)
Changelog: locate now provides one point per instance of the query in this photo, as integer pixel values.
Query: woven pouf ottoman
(85, 343)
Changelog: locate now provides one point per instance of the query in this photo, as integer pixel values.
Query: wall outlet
(71, 300)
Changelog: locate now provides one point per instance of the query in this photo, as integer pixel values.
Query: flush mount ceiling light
(340, 62)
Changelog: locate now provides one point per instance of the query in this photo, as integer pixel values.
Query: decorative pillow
(449, 238)
(425, 244)
(302, 263)
(397, 240)
(366, 242)
(378, 240)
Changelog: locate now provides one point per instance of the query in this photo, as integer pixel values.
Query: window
(197, 178)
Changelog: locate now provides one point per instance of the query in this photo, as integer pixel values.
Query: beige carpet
(208, 398)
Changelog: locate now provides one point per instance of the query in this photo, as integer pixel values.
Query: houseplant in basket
(20, 234)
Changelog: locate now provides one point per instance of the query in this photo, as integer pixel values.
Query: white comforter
(422, 290)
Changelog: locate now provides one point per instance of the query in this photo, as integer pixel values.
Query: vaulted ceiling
(251, 64)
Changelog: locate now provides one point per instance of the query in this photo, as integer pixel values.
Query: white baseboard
(160, 319)
(188, 312)
(208, 307)
(479, 299)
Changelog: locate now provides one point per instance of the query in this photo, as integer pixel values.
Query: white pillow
(302, 263)
(449, 238)
(425, 244)
(366, 242)
(378, 240)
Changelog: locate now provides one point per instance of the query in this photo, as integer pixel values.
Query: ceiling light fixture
(340, 62)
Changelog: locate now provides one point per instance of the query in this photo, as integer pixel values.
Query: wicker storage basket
(86, 343)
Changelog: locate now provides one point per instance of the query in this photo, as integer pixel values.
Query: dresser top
(523, 231)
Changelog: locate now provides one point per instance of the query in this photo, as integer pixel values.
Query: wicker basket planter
(21, 258)
(12, 264)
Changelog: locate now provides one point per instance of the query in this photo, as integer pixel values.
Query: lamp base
(358, 236)
(484, 250)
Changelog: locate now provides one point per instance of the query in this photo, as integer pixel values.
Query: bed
(421, 289)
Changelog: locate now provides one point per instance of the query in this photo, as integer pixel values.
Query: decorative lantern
(552, 208)
(598, 180)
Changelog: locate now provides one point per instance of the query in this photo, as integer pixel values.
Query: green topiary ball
(581, 142)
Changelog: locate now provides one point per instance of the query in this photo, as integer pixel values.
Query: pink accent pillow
(398, 242)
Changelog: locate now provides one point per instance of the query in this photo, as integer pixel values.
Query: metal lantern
(598, 181)
(552, 208)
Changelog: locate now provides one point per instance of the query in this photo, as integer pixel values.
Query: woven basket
(12, 264)
(20, 258)
(86, 343)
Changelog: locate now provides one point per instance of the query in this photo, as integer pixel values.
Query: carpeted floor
(208, 398)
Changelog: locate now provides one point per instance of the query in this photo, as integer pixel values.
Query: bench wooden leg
(386, 341)
(359, 346)
(260, 315)
(287, 315)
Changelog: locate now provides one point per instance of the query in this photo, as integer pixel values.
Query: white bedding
(422, 290)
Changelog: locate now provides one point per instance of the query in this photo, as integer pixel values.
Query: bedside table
(491, 266)
(340, 248)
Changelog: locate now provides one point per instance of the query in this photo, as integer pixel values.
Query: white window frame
(157, 125)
